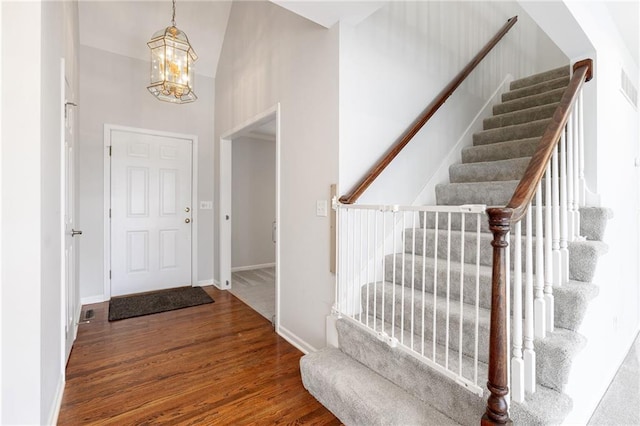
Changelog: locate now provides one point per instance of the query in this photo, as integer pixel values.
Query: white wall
(113, 91)
(613, 317)
(271, 55)
(396, 61)
(253, 201)
(32, 368)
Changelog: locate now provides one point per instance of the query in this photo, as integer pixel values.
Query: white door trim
(225, 198)
(108, 128)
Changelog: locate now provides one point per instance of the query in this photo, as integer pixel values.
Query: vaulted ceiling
(124, 27)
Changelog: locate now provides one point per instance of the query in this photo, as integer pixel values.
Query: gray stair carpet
(368, 382)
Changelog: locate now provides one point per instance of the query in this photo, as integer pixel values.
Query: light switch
(206, 205)
(321, 208)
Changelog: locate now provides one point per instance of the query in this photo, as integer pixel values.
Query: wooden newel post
(497, 408)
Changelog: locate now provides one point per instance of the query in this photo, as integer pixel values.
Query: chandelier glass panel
(172, 59)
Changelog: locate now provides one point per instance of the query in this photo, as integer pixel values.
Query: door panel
(150, 212)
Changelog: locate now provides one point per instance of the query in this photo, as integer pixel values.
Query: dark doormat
(155, 302)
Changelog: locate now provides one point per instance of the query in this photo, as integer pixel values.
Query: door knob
(187, 220)
(74, 232)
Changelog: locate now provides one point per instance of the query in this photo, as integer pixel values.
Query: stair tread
(542, 87)
(429, 384)
(516, 131)
(528, 101)
(359, 395)
(516, 148)
(486, 171)
(538, 112)
(539, 77)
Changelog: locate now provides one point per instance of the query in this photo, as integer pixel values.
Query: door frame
(225, 186)
(108, 128)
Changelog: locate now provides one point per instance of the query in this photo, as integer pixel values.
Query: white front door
(151, 210)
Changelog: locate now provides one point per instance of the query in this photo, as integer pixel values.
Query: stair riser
(520, 117)
(500, 151)
(418, 379)
(520, 131)
(490, 194)
(583, 255)
(571, 300)
(550, 97)
(489, 171)
(539, 78)
(428, 385)
(536, 89)
(552, 370)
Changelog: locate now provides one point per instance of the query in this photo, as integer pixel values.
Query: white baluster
(564, 225)
(375, 268)
(507, 260)
(361, 265)
(446, 340)
(517, 363)
(424, 274)
(540, 308)
(366, 265)
(576, 178)
(576, 181)
(475, 356)
(384, 274)
(548, 252)
(413, 272)
(529, 353)
(394, 223)
(569, 178)
(435, 285)
(555, 243)
(338, 259)
(402, 274)
(461, 293)
(583, 185)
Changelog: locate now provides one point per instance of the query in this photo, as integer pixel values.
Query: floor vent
(86, 316)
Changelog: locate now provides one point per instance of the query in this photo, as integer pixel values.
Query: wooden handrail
(500, 220)
(526, 189)
(431, 109)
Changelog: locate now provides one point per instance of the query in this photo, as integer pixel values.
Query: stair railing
(547, 199)
(395, 279)
(431, 109)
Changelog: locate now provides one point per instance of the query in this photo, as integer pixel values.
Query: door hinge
(109, 213)
(109, 150)
(109, 274)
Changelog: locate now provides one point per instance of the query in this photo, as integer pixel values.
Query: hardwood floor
(215, 364)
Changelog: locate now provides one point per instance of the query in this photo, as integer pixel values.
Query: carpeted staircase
(367, 382)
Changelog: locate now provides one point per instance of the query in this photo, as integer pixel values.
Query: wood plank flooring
(215, 364)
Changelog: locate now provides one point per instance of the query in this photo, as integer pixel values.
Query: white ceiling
(626, 16)
(124, 27)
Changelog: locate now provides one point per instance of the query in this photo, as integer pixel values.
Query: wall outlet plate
(206, 205)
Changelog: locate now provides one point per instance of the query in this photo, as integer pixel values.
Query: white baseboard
(251, 267)
(76, 322)
(203, 283)
(57, 402)
(92, 299)
(295, 340)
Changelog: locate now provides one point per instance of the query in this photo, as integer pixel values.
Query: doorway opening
(249, 214)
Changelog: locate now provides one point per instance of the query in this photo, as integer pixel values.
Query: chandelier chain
(173, 16)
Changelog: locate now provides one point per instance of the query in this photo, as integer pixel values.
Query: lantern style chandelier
(172, 59)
